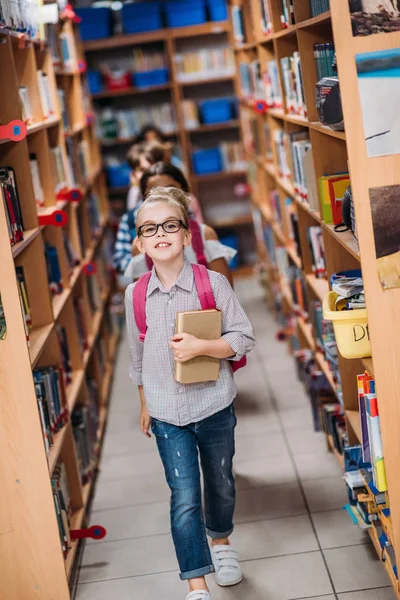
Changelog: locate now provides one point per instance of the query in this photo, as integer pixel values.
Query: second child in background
(151, 133)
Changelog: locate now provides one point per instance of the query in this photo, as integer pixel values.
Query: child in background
(216, 254)
(140, 157)
(151, 133)
(193, 419)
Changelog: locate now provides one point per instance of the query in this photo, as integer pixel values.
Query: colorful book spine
(376, 448)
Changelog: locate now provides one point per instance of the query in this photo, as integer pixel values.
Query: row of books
(46, 99)
(324, 55)
(52, 401)
(63, 504)
(85, 424)
(125, 124)
(9, 193)
(204, 63)
(24, 301)
(316, 244)
(148, 61)
(63, 48)
(233, 158)
(293, 85)
(54, 275)
(318, 7)
(284, 212)
(239, 31)
(23, 16)
(287, 13)
(252, 84)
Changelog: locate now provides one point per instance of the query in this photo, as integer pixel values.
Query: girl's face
(162, 247)
(162, 181)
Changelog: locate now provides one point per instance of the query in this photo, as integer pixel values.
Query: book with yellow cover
(205, 325)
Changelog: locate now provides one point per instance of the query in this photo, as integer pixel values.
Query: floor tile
(166, 586)
(260, 446)
(110, 560)
(325, 493)
(127, 442)
(256, 472)
(306, 442)
(334, 529)
(386, 593)
(131, 465)
(134, 521)
(283, 578)
(274, 538)
(317, 465)
(269, 503)
(129, 491)
(296, 418)
(255, 424)
(355, 568)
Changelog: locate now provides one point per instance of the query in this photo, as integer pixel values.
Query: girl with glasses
(188, 420)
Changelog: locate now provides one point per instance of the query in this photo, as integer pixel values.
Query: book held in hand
(205, 325)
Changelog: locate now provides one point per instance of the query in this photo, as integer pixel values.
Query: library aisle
(293, 537)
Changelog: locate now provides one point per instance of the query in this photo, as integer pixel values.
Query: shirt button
(172, 324)
(181, 390)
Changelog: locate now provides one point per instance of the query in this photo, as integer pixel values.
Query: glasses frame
(158, 225)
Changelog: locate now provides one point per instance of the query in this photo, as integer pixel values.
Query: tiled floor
(294, 539)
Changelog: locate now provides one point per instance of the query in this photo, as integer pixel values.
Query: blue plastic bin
(118, 175)
(96, 23)
(150, 78)
(217, 10)
(181, 13)
(207, 161)
(216, 110)
(95, 81)
(232, 241)
(141, 17)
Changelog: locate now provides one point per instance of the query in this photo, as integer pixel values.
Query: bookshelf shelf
(235, 221)
(132, 91)
(127, 141)
(49, 299)
(208, 81)
(215, 127)
(272, 135)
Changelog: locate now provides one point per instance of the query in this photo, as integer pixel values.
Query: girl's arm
(219, 265)
(122, 249)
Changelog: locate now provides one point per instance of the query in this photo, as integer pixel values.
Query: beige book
(205, 325)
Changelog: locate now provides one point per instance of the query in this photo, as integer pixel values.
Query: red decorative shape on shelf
(96, 532)
(90, 118)
(71, 195)
(58, 218)
(241, 190)
(82, 66)
(260, 106)
(90, 268)
(15, 131)
(69, 13)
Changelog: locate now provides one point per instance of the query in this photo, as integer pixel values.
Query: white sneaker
(226, 563)
(198, 595)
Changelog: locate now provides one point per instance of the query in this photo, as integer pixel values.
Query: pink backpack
(197, 243)
(204, 291)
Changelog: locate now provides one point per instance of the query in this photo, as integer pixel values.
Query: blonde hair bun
(172, 196)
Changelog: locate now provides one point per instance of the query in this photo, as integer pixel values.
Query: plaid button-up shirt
(152, 362)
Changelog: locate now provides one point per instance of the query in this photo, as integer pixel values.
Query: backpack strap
(197, 242)
(139, 304)
(203, 287)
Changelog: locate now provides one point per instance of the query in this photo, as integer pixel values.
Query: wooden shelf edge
(307, 333)
(221, 175)
(369, 365)
(35, 127)
(233, 124)
(38, 339)
(320, 287)
(131, 91)
(345, 239)
(323, 365)
(29, 236)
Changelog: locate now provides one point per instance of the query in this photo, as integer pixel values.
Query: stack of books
(349, 287)
(64, 350)
(81, 324)
(148, 61)
(85, 423)
(52, 402)
(272, 86)
(204, 64)
(63, 505)
(190, 114)
(317, 250)
(287, 13)
(293, 85)
(24, 300)
(324, 55)
(53, 269)
(266, 17)
(239, 31)
(9, 192)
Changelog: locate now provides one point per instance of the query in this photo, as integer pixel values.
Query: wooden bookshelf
(32, 561)
(175, 41)
(332, 152)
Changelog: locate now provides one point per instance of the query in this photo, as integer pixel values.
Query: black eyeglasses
(170, 226)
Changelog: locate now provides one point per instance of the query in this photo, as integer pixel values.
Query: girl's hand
(185, 346)
(145, 421)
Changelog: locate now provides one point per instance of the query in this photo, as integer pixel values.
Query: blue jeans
(179, 447)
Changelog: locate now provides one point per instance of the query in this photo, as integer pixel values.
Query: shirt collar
(185, 279)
